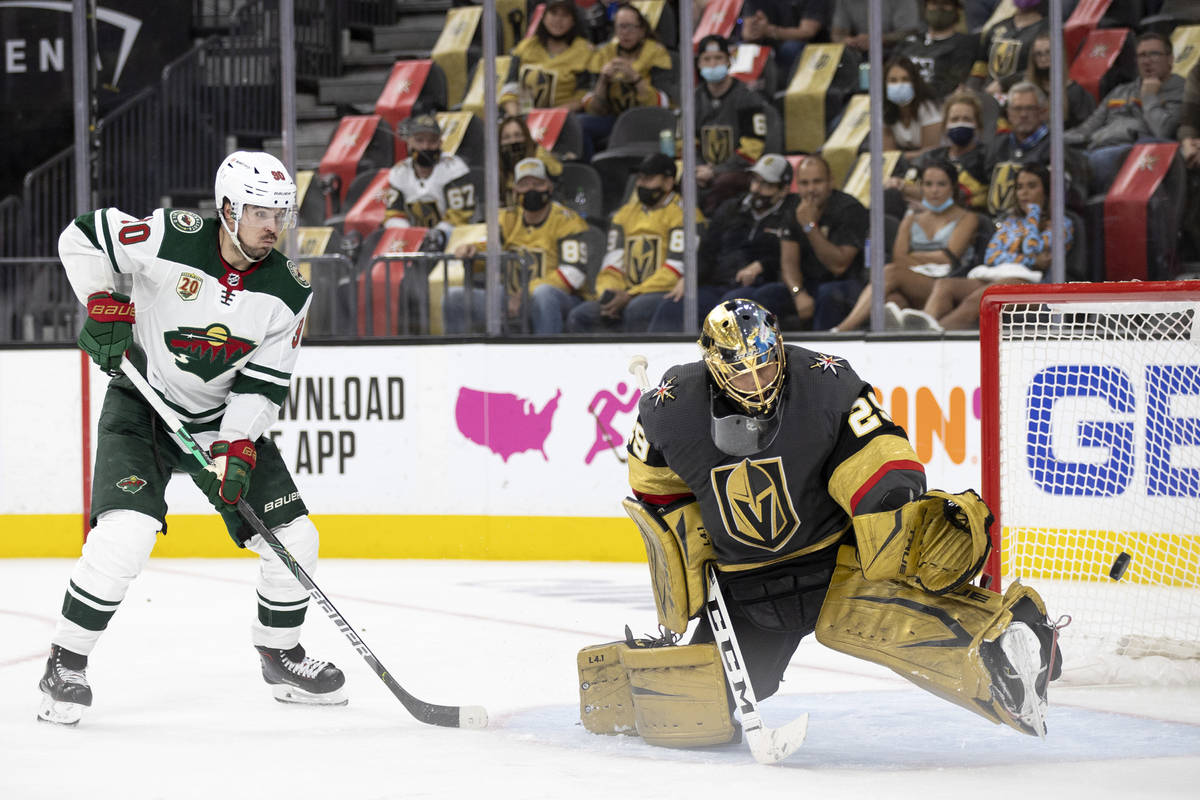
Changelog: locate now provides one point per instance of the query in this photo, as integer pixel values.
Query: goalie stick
(430, 713)
(767, 745)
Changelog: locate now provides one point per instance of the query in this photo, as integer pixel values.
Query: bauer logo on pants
(133, 484)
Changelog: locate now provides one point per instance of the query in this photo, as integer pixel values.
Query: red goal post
(1091, 465)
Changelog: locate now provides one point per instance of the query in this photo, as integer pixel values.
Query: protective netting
(1099, 415)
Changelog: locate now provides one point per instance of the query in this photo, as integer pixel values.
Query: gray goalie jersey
(837, 454)
(220, 343)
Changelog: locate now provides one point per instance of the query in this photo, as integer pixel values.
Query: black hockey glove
(108, 330)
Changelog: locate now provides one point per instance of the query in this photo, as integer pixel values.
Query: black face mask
(535, 200)
(427, 158)
(510, 154)
(1041, 73)
(648, 196)
(761, 202)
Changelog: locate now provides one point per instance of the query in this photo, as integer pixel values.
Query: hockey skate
(65, 687)
(296, 678)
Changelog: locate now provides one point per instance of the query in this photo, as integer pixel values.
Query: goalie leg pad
(934, 641)
(679, 695)
(677, 549)
(937, 542)
(605, 696)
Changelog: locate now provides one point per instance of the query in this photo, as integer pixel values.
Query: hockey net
(1091, 450)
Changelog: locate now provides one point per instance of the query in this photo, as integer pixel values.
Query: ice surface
(181, 712)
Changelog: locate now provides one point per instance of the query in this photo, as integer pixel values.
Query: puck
(1119, 565)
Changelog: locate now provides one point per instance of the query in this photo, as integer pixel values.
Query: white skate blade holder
(59, 712)
(290, 694)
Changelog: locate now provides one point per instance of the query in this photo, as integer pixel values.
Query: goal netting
(1091, 449)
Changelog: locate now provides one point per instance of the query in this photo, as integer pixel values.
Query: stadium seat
(413, 86)
(557, 130)
(818, 92)
(384, 284)
(364, 204)
(361, 143)
(634, 136)
(596, 239)
(1078, 267)
(1170, 15)
(473, 102)
(462, 135)
(580, 188)
(1105, 60)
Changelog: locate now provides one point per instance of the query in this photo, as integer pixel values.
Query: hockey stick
(767, 745)
(431, 713)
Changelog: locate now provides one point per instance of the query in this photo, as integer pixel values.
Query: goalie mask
(743, 351)
(260, 193)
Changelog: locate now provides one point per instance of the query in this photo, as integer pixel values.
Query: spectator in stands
(429, 188)
(550, 69)
(631, 70)
(732, 126)
(1189, 148)
(1146, 108)
(942, 54)
(548, 234)
(911, 117)
(931, 243)
(1027, 142)
(786, 26)
(821, 249)
(1078, 101)
(978, 12)
(645, 254)
(962, 128)
(739, 252)
(901, 18)
(1004, 48)
(1018, 252)
(517, 144)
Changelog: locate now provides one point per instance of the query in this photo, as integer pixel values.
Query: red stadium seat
(1083, 20)
(355, 137)
(1099, 55)
(367, 213)
(396, 101)
(720, 17)
(385, 278)
(1139, 234)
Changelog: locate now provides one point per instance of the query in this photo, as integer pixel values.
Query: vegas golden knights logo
(423, 214)
(1002, 60)
(1002, 192)
(621, 96)
(541, 85)
(530, 265)
(642, 257)
(716, 143)
(755, 504)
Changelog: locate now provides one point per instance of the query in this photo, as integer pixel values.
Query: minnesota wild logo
(206, 352)
(133, 484)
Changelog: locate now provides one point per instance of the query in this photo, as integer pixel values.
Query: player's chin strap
(237, 243)
(767, 745)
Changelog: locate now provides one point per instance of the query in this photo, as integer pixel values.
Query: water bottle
(864, 76)
(666, 142)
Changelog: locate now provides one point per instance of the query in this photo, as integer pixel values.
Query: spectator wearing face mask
(962, 130)
(732, 126)
(645, 254)
(901, 18)
(739, 252)
(429, 188)
(912, 120)
(549, 237)
(551, 68)
(942, 54)
(517, 144)
(1004, 48)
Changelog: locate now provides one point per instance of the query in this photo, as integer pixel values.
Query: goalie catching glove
(227, 479)
(937, 542)
(108, 330)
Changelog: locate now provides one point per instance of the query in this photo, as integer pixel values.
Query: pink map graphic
(504, 423)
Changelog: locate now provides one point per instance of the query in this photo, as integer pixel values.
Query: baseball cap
(713, 43)
(530, 168)
(657, 164)
(773, 168)
(425, 123)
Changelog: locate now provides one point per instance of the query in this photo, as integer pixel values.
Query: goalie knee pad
(677, 549)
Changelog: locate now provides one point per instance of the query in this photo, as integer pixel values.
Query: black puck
(1119, 565)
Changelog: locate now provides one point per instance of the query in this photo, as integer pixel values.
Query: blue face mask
(938, 209)
(901, 93)
(961, 134)
(715, 74)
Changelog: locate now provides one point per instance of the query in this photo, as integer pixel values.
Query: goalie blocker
(901, 598)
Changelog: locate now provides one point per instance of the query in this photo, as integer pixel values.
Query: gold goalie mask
(743, 351)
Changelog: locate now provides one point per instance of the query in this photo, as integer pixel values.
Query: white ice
(181, 712)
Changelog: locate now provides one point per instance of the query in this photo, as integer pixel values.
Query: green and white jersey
(220, 343)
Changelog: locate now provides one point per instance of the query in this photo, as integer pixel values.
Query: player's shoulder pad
(279, 276)
(682, 389)
(828, 374)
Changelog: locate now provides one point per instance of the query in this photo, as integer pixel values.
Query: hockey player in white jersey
(218, 313)
(430, 188)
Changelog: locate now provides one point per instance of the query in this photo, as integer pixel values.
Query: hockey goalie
(777, 466)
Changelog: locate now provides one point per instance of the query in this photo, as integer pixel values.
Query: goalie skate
(1019, 677)
(64, 687)
(296, 678)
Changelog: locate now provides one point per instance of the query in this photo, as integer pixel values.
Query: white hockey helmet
(258, 179)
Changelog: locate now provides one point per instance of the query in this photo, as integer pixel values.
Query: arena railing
(37, 303)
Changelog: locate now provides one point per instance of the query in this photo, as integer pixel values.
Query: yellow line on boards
(361, 536)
